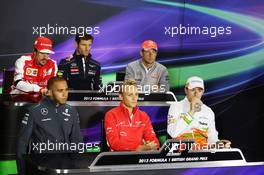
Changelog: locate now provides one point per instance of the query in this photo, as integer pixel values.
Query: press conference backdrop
(221, 41)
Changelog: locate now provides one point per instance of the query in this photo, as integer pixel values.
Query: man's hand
(225, 143)
(43, 91)
(196, 104)
(222, 144)
(150, 146)
(153, 146)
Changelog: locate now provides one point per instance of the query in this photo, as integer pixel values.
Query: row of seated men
(80, 70)
(127, 128)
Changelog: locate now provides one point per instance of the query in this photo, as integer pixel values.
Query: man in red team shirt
(33, 71)
(127, 127)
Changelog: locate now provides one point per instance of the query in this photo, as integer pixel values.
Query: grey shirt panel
(156, 75)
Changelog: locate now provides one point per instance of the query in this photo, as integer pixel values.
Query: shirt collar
(146, 69)
(125, 110)
(81, 56)
(50, 102)
(186, 103)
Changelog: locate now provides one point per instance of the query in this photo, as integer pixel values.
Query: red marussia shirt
(125, 134)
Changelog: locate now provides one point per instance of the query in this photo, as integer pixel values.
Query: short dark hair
(52, 80)
(85, 36)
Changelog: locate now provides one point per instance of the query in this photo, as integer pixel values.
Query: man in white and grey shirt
(148, 73)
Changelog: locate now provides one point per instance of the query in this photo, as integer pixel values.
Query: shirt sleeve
(25, 86)
(164, 81)
(129, 72)
(212, 132)
(112, 134)
(149, 134)
(22, 84)
(19, 69)
(23, 140)
(97, 81)
(178, 122)
(54, 69)
(63, 70)
(76, 136)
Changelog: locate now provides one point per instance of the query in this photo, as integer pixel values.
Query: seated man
(32, 72)
(80, 70)
(149, 74)
(49, 122)
(191, 119)
(127, 127)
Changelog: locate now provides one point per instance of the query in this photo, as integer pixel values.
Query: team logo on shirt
(31, 72)
(138, 123)
(25, 119)
(203, 121)
(74, 70)
(91, 66)
(44, 111)
(73, 64)
(90, 72)
(45, 119)
(46, 73)
(66, 113)
(123, 133)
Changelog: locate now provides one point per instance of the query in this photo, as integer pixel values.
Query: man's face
(149, 56)
(84, 47)
(130, 96)
(41, 58)
(59, 92)
(195, 92)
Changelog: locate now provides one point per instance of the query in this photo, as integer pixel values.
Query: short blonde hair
(129, 82)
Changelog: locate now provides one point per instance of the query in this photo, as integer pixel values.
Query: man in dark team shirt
(80, 70)
(51, 121)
